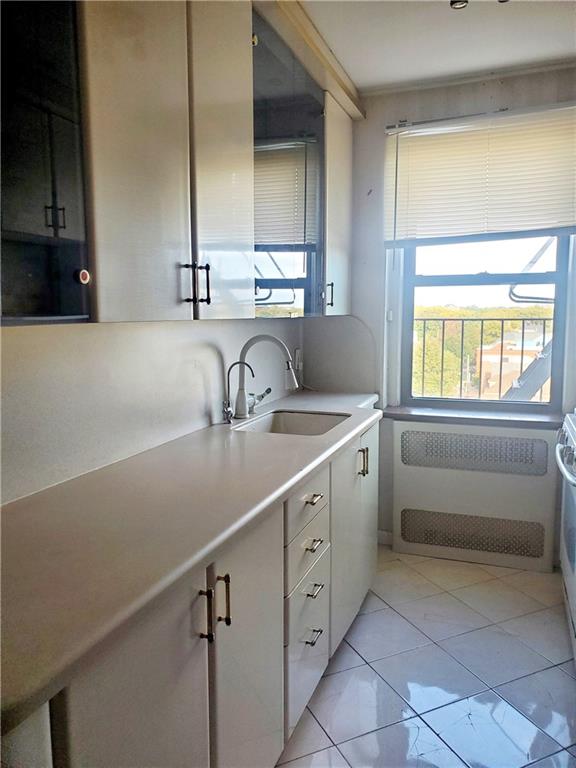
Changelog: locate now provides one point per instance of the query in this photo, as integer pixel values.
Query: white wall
(330, 340)
(77, 397)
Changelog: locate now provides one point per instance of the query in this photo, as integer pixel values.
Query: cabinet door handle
(316, 589)
(48, 221)
(228, 618)
(364, 469)
(63, 224)
(209, 634)
(313, 547)
(367, 456)
(195, 267)
(331, 302)
(314, 499)
(315, 637)
(208, 299)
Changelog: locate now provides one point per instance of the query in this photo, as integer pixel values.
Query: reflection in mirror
(288, 181)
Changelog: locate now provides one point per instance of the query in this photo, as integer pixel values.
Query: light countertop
(82, 557)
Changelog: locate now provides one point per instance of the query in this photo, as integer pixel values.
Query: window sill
(485, 418)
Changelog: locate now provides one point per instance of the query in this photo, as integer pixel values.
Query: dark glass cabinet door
(26, 171)
(43, 229)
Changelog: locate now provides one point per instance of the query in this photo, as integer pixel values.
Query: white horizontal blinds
(286, 193)
(494, 175)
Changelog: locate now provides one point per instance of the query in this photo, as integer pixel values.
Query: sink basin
(293, 423)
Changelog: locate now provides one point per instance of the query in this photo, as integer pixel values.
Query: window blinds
(286, 193)
(501, 174)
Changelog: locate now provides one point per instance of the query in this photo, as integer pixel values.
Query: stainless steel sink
(293, 423)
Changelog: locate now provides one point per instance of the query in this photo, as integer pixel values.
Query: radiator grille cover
(475, 532)
(480, 453)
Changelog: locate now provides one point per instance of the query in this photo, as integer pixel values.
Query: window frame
(558, 278)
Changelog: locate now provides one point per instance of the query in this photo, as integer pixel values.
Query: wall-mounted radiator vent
(473, 532)
(481, 453)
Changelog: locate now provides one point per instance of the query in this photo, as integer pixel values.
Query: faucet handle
(255, 399)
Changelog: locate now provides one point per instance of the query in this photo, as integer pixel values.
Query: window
(483, 212)
(484, 322)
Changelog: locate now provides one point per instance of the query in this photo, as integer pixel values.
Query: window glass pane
(279, 264)
(478, 343)
(535, 254)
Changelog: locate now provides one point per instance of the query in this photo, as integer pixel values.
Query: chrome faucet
(242, 409)
(227, 411)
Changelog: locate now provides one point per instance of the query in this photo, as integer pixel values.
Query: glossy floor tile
(494, 656)
(409, 744)
(544, 587)
(432, 652)
(383, 633)
(372, 603)
(497, 601)
(307, 737)
(486, 732)
(548, 699)
(569, 668)
(499, 571)
(442, 616)
(545, 632)
(428, 678)
(354, 702)
(328, 758)
(345, 657)
(452, 574)
(560, 760)
(397, 583)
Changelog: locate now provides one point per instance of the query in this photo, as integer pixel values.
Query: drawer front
(306, 548)
(305, 503)
(307, 652)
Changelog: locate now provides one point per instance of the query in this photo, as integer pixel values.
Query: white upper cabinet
(338, 206)
(220, 57)
(135, 94)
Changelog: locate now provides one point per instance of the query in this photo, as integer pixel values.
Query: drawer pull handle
(313, 547)
(209, 595)
(316, 589)
(315, 637)
(228, 618)
(314, 499)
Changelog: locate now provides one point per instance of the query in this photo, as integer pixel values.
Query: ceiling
(396, 43)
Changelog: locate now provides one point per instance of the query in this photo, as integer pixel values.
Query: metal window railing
(488, 358)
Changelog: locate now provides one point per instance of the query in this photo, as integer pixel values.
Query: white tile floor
(448, 665)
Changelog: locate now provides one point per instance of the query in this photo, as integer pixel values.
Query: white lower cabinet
(307, 634)
(247, 681)
(29, 744)
(159, 695)
(353, 530)
(142, 702)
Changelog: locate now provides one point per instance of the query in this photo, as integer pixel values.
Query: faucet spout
(291, 381)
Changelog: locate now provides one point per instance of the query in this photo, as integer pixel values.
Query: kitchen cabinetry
(43, 229)
(222, 137)
(29, 744)
(153, 695)
(354, 526)
(246, 694)
(143, 700)
(338, 163)
(135, 92)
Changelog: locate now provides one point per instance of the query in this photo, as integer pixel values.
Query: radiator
(482, 494)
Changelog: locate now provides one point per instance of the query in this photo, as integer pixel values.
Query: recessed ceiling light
(458, 4)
